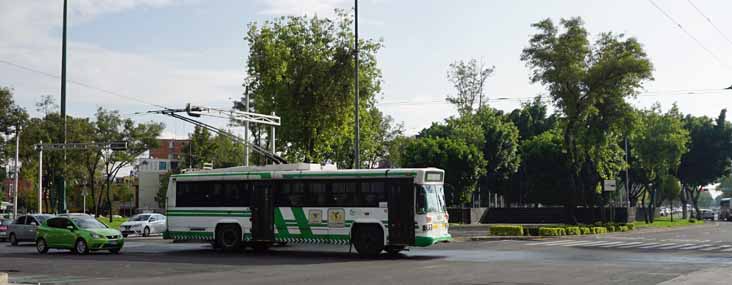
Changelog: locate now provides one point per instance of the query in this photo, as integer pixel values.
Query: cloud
(303, 7)
(27, 27)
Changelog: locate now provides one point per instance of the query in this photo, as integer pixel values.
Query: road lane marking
(655, 246)
(611, 244)
(593, 243)
(551, 242)
(716, 247)
(696, 246)
(726, 250)
(676, 246)
(581, 243)
(632, 244)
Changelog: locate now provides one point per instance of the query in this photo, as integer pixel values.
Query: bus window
(318, 194)
(371, 194)
(342, 194)
(429, 199)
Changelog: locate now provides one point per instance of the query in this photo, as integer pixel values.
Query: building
(147, 172)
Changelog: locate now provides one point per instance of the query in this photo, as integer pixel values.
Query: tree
(532, 119)
(588, 84)
(11, 116)
(500, 150)
(301, 68)
(659, 146)
(162, 195)
(708, 158)
(139, 138)
(199, 150)
(546, 169)
(469, 79)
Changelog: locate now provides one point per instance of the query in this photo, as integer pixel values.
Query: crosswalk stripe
(696, 246)
(676, 246)
(631, 244)
(551, 242)
(579, 243)
(617, 243)
(716, 247)
(589, 243)
(655, 246)
(726, 250)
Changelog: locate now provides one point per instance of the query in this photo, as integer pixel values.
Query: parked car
(68, 215)
(24, 228)
(79, 234)
(4, 223)
(143, 224)
(707, 214)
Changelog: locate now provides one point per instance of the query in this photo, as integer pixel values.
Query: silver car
(143, 224)
(24, 228)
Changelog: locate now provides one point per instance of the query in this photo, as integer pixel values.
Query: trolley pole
(357, 139)
(246, 127)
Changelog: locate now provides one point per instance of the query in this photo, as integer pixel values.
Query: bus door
(400, 198)
(262, 207)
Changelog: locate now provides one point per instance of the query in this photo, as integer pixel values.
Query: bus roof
(305, 170)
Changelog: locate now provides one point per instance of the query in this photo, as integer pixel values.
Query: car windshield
(88, 223)
(430, 198)
(139, 218)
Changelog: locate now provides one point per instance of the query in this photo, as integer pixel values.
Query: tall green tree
(500, 150)
(468, 78)
(532, 119)
(709, 156)
(11, 117)
(139, 137)
(588, 83)
(659, 146)
(302, 69)
(463, 163)
(545, 169)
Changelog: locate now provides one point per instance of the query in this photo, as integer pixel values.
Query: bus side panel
(200, 223)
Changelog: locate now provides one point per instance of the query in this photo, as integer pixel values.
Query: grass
(115, 222)
(665, 222)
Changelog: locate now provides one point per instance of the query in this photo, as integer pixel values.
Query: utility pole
(40, 180)
(15, 172)
(62, 181)
(246, 127)
(627, 176)
(357, 136)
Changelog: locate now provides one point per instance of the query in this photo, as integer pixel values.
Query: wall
(149, 183)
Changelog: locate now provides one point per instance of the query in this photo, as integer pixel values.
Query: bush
(548, 231)
(599, 230)
(622, 228)
(507, 230)
(691, 221)
(585, 230)
(630, 226)
(611, 228)
(532, 231)
(573, 231)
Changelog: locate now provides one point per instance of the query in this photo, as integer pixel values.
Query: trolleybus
(373, 210)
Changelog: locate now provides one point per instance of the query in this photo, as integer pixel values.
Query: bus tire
(368, 240)
(228, 237)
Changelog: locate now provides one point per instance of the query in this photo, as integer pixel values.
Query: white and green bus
(372, 209)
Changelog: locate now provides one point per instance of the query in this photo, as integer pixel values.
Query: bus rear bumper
(430, 240)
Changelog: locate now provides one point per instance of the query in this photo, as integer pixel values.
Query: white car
(143, 224)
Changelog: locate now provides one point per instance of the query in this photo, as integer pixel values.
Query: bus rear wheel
(228, 237)
(368, 240)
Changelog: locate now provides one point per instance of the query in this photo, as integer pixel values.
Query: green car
(79, 234)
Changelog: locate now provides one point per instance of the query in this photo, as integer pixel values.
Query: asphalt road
(692, 254)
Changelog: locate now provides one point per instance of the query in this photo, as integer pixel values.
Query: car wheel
(13, 240)
(41, 245)
(146, 232)
(114, 250)
(80, 247)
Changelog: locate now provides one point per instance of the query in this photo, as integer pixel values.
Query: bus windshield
(430, 199)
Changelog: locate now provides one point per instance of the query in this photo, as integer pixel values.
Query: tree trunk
(645, 209)
(109, 199)
(695, 193)
(652, 206)
(684, 199)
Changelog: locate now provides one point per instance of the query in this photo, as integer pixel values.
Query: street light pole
(356, 147)
(15, 172)
(62, 187)
(40, 180)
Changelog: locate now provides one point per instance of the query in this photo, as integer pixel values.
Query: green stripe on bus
(302, 222)
(262, 175)
(355, 174)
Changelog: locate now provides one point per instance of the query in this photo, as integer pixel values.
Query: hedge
(585, 230)
(507, 230)
(599, 230)
(692, 221)
(548, 231)
(630, 226)
(622, 228)
(573, 231)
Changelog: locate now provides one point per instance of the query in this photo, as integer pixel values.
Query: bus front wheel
(368, 240)
(228, 237)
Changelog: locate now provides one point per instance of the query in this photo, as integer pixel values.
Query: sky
(138, 55)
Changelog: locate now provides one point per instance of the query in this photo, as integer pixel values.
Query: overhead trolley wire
(710, 22)
(709, 51)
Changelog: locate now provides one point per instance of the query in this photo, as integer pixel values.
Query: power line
(82, 84)
(710, 22)
(718, 59)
